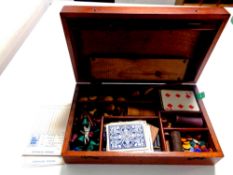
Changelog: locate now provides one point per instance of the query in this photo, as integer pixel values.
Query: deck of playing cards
(179, 100)
(129, 136)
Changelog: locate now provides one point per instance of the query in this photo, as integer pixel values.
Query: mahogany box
(123, 59)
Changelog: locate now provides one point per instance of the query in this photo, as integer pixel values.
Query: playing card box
(140, 64)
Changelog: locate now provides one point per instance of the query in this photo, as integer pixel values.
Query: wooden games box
(136, 64)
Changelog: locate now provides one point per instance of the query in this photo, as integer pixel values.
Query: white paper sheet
(48, 131)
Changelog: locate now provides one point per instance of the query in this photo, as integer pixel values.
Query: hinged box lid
(141, 44)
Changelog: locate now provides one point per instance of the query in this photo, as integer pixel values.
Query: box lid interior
(129, 44)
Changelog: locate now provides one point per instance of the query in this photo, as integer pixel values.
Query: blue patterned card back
(128, 136)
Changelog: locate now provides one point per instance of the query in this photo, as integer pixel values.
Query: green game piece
(202, 143)
(93, 143)
(192, 143)
(90, 147)
(200, 95)
(81, 138)
(85, 121)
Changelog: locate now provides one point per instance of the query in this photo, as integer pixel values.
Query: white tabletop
(41, 74)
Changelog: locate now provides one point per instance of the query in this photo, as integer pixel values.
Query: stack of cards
(129, 136)
(179, 100)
